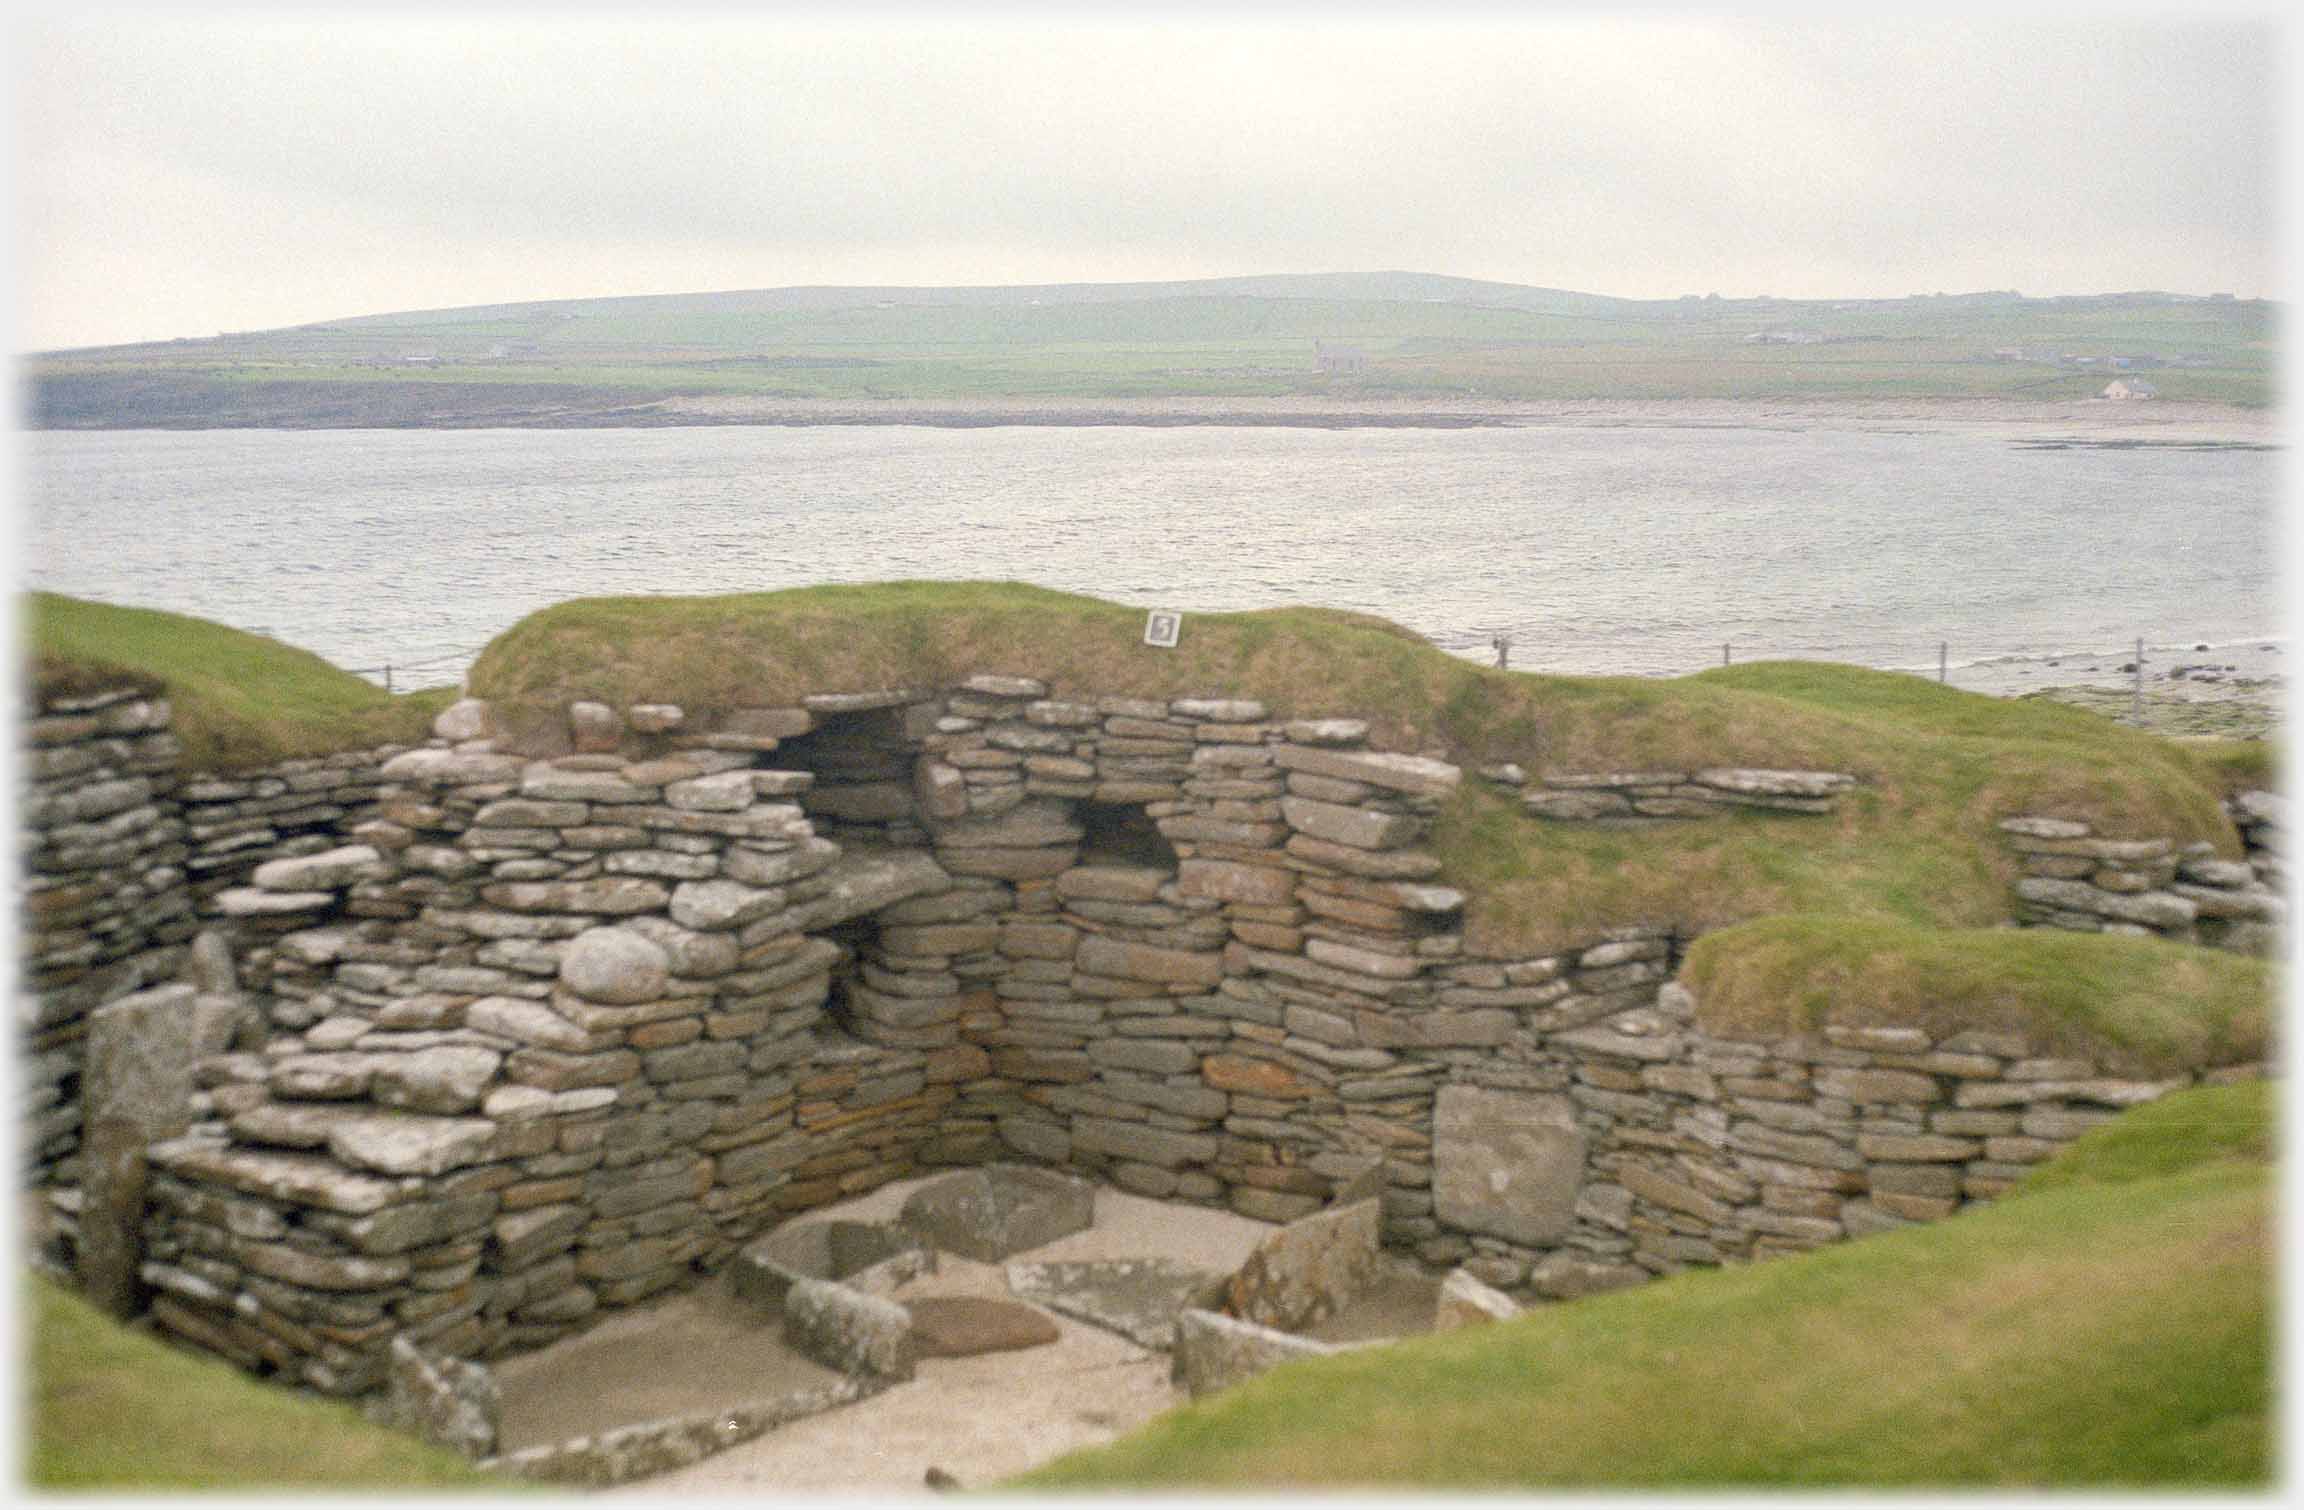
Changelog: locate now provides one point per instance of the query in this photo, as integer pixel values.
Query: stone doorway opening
(1122, 833)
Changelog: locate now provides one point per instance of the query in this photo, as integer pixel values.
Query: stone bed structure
(454, 1047)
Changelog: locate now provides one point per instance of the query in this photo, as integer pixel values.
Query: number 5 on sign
(1162, 626)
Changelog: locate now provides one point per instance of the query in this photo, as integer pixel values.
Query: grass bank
(1915, 844)
(109, 1409)
(2108, 1327)
(240, 699)
(2149, 1006)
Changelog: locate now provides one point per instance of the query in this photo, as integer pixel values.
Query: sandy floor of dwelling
(978, 1419)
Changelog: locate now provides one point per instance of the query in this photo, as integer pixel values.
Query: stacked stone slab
(235, 822)
(1663, 1146)
(2260, 817)
(2077, 880)
(1633, 799)
(103, 906)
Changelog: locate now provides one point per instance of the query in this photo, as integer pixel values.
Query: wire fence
(393, 676)
(409, 675)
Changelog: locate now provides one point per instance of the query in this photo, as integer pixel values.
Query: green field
(1419, 338)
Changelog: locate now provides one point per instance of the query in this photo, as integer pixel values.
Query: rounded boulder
(615, 966)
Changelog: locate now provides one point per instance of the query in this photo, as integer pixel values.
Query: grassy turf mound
(2145, 1005)
(240, 699)
(110, 1409)
(1915, 844)
(2107, 1329)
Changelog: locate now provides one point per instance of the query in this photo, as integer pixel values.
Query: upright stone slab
(845, 1329)
(1215, 1352)
(136, 1089)
(449, 1402)
(1507, 1163)
(1309, 1270)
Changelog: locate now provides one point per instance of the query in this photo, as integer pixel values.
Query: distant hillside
(1312, 336)
(1410, 287)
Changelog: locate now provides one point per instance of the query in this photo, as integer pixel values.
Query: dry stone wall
(103, 904)
(2077, 880)
(486, 1042)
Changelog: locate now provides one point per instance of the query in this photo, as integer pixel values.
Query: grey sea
(1599, 550)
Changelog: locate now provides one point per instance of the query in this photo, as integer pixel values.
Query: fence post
(1943, 659)
(1724, 653)
(387, 676)
(1503, 644)
(2136, 698)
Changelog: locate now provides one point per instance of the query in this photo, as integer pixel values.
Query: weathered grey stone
(1117, 958)
(1400, 773)
(1464, 1301)
(1139, 1298)
(1036, 821)
(761, 867)
(987, 1214)
(1308, 1270)
(724, 792)
(993, 684)
(2153, 909)
(322, 1077)
(1142, 1144)
(1568, 1276)
(444, 1079)
(1506, 1163)
(1774, 783)
(1001, 863)
(1111, 883)
(654, 1447)
(448, 1402)
(1220, 710)
(1359, 827)
(615, 966)
(859, 884)
(465, 718)
(715, 906)
(256, 902)
(1326, 731)
(296, 1178)
(528, 1022)
(845, 1329)
(412, 1144)
(940, 790)
(432, 767)
(1214, 1352)
(136, 1089)
(613, 895)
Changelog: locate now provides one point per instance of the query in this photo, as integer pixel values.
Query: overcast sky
(183, 173)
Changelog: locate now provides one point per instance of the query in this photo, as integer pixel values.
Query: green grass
(2237, 1123)
(240, 699)
(1916, 844)
(2147, 1005)
(109, 1409)
(2109, 1329)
